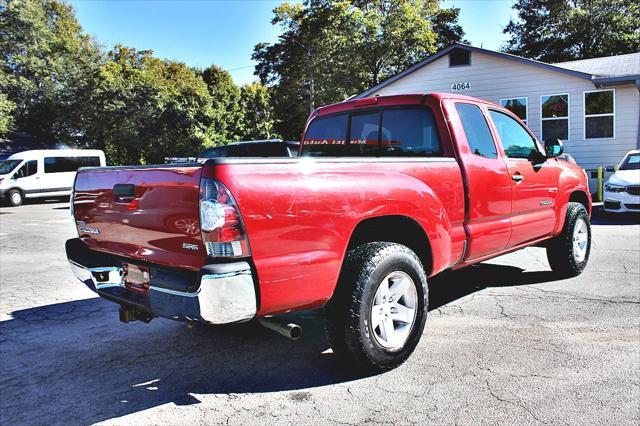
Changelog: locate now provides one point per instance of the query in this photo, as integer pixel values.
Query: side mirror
(610, 169)
(553, 148)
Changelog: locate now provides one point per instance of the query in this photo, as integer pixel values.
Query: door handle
(517, 178)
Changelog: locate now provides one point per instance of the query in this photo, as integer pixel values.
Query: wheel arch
(394, 229)
(581, 197)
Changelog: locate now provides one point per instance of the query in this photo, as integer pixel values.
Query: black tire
(15, 198)
(561, 252)
(349, 312)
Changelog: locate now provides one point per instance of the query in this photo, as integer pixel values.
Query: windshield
(631, 163)
(7, 166)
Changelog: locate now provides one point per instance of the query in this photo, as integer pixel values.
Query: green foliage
(258, 119)
(48, 67)
(341, 48)
(6, 117)
(225, 98)
(564, 30)
(144, 109)
(58, 85)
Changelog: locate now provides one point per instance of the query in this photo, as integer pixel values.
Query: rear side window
(326, 136)
(477, 131)
(516, 141)
(409, 133)
(267, 149)
(214, 152)
(69, 164)
(236, 151)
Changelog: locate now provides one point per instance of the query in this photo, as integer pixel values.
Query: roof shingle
(609, 66)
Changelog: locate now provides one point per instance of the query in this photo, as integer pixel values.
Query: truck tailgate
(147, 213)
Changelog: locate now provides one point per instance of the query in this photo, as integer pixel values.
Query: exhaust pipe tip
(290, 331)
(295, 331)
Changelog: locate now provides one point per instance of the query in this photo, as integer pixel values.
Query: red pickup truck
(387, 192)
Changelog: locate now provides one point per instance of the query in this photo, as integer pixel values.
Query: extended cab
(387, 192)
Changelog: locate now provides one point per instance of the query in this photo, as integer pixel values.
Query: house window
(555, 116)
(518, 106)
(459, 57)
(599, 114)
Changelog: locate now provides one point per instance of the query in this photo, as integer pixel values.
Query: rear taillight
(223, 232)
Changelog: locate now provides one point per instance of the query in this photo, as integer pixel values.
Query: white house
(593, 105)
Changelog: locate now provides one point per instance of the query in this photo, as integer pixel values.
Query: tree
(225, 102)
(48, 65)
(564, 30)
(6, 117)
(145, 109)
(258, 119)
(335, 49)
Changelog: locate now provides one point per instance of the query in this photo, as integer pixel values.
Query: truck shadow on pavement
(75, 362)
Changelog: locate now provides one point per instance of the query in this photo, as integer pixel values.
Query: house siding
(493, 78)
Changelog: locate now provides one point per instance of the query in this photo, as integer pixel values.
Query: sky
(224, 32)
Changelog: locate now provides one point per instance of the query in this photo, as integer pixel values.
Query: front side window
(29, 168)
(477, 131)
(598, 114)
(326, 136)
(518, 106)
(7, 166)
(516, 141)
(555, 116)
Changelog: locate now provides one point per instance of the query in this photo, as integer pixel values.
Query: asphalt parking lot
(505, 343)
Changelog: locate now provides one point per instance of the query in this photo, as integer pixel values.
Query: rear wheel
(569, 252)
(377, 316)
(14, 198)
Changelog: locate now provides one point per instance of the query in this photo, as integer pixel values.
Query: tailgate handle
(124, 191)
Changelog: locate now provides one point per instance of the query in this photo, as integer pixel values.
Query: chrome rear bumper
(222, 294)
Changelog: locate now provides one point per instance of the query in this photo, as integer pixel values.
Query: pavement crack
(516, 403)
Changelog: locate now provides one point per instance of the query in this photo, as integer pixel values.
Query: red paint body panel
(153, 226)
(300, 213)
(299, 232)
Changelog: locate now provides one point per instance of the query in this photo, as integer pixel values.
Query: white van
(44, 172)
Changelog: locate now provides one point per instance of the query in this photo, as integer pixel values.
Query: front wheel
(378, 313)
(568, 253)
(14, 197)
